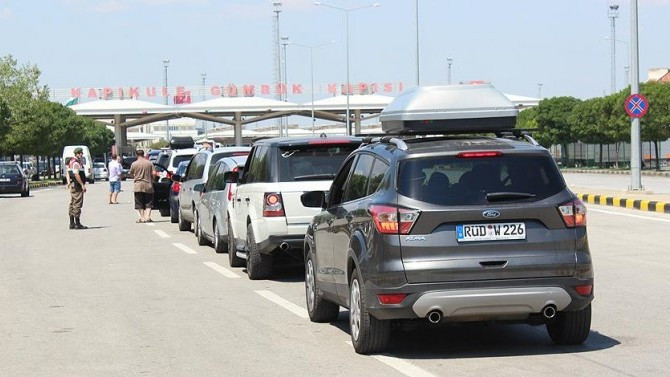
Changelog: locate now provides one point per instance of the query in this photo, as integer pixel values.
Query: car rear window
(9, 169)
(180, 158)
(312, 162)
(449, 180)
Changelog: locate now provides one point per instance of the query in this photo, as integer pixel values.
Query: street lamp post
(539, 90)
(277, 50)
(311, 72)
(450, 61)
(613, 14)
(635, 147)
(347, 11)
(416, 6)
(166, 63)
(285, 42)
(204, 123)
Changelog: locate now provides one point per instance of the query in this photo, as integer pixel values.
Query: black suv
(449, 229)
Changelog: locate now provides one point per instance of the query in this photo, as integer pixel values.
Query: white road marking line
(182, 247)
(150, 224)
(402, 366)
(629, 215)
(291, 307)
(162, 234)
(223, 271)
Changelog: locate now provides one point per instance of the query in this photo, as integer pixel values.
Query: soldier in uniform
(76, 179)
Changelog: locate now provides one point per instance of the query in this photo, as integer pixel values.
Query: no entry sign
(636, 105)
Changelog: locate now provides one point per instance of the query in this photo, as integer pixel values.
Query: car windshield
(181, 158)
(313, 162)
(9, 169)
(465, 181)
(99, 165)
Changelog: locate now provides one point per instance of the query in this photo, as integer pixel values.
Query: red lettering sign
(181, 91)
(107, 93)
(231, 90)
(92, 93)
(135, 92)
(216, 91)
(121, 93)
(280, 89)
(375, 88)
(388, 87)
(297, 88)
(151, 91)
(363, 88)
(401, 87)
(265, 89)
(165, 92)
(332, 89)
(249, 90)
(75, 92)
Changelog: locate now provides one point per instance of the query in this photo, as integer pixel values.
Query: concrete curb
(620, 172)
(643, 205)
(35, 185)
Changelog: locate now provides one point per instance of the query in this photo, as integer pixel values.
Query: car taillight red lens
(573, 213)
(391, 299)
(584, 290)
(176, 187)
(273, 205)
(480, 154)
(393, 220)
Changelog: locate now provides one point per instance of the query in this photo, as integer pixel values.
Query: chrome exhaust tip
(549, 311)
(284, 246)
(435, 316)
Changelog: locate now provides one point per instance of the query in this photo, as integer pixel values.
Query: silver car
(100, 171)
(211, 220)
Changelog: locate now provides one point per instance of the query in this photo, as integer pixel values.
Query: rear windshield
(312, 162)
(180, 158)
(466, 181)
(217, 156)
(9, 169)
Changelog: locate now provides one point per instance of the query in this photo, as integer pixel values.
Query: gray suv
(446, 229)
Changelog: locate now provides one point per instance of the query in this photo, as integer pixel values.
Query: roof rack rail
(399, 143)
(518, 133)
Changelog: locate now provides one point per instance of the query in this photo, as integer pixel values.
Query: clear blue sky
(515, 44)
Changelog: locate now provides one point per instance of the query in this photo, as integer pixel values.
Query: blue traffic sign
(636, 105)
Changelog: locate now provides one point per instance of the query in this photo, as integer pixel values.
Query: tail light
(230, 185)
(573, 213)
(391, 298)
(393, 220)
(273, 205)
(176, 187)
(169, 175)
(584, 290)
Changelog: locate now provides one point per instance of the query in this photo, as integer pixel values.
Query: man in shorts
(115, 171)
(142, 173)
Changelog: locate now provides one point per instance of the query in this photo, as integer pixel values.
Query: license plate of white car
(490, 232)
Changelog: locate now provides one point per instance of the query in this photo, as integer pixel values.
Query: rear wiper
(499, 196)
(314, 177)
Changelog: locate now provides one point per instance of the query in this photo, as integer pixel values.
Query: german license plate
(491, 232)
(4, 179)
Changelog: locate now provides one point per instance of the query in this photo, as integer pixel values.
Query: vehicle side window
(258, 170)
(377, 174)
(337, 188)
(213, 178)
(357, 185)
(192, 168)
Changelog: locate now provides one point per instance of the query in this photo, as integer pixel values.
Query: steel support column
(238, 128)
(357, 122)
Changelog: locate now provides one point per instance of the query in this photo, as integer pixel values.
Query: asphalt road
(126, 299)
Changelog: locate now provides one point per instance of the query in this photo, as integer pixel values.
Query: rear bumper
(481, 300)
(273, 243)
(11, 189)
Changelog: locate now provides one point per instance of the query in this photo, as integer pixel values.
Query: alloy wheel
(355, 309)
(309, 284)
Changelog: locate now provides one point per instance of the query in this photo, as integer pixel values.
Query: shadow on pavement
(421, 340)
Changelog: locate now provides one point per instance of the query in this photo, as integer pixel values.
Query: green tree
(553, 123)
(656, 123)
(97, 136)
(527, 118)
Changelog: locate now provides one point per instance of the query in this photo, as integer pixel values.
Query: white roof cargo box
(449, 109)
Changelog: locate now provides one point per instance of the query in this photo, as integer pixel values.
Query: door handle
(349, 217)
(239, 200)
(246, 200)
(493, 264)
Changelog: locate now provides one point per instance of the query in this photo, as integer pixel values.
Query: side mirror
(231, 177)
(176, 178)
(160, 167)
(200, 187)
(313, 199)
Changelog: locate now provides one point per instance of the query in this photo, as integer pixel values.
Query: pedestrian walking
(76, 179)
(115, 170)
(142, 172)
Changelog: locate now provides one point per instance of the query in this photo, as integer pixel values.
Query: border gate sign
(636, 105)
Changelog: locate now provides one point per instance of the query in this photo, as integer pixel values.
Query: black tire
(220, 245)
(570, 328)
(197, 229)
(164, 212)
(259, 265)
(318, 308)
(233, 259)
(174, 217)
(183, 224)
(372, 334)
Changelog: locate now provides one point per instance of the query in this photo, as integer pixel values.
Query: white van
(68, 151)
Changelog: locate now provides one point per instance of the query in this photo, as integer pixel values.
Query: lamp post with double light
(347, 11)
(311, 71)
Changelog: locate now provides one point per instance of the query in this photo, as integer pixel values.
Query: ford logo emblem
(491, 214)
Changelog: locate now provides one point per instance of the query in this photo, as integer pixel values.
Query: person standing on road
(142, 172)
(115, 171)
(76, 179)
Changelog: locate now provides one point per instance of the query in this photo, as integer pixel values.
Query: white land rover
(266, 216)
